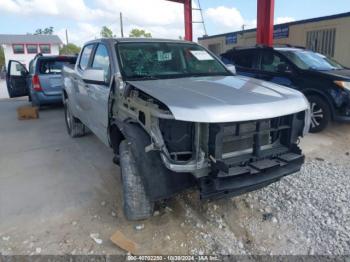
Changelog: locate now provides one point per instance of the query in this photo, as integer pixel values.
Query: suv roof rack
(291, 46)
(265, 46)
(251, 47)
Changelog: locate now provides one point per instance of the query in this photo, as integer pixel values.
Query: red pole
(265, 20)
(188, 18)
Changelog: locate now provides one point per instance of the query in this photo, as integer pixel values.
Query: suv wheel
(75, 128)
(136, 203)
(320, 114)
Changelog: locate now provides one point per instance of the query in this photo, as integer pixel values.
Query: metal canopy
(265, 20)
(188, 18)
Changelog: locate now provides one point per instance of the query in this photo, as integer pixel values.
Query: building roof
(305, 21)
(29, 39)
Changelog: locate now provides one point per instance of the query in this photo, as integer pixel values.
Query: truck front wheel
(136, 203)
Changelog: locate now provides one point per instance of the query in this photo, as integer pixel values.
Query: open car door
(16, 79)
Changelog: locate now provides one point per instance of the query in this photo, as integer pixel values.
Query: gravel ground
(307, 213)
(316, 202)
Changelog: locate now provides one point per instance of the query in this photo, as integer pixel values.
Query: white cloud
(282, 20)
(9, 6)
(150, 12)
(76, 10)
(228, 19)
(225, 18)
(82, 33)
(161, 18)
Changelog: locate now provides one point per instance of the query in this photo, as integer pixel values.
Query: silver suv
(177, 117)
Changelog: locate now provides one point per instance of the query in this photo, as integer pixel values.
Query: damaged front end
(226, 159)
(232, 158)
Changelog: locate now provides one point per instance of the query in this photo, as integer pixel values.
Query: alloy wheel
(317, 115)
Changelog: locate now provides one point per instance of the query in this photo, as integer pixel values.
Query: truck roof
(139, 40)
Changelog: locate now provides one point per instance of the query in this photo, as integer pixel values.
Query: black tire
(136, 203)
(320, 114)
(75, 127)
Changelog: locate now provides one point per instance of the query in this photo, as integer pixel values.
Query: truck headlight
(343, 84)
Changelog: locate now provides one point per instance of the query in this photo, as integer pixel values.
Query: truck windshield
(166, 60)
(311, 60)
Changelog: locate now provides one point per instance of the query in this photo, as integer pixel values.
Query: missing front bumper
(240, 180)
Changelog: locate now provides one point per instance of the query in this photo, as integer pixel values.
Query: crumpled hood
(222, 99)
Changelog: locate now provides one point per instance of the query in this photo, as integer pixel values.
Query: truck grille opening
(233, 139)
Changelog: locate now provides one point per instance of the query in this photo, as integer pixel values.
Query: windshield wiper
(143, 78)
(208, 74)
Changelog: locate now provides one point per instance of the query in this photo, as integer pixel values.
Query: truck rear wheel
(136, 203)
(75, 128)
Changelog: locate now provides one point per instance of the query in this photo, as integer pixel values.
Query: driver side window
(85, 57)
(101, 61)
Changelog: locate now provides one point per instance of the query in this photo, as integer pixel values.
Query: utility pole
(121, 25)
(66, 36)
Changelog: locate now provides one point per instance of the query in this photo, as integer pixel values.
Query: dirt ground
(57, 192)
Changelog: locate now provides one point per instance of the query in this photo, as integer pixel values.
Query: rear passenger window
(85, 56)
(101, 60)
(244, 59)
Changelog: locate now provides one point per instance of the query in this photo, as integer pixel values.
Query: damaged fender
(159, 181)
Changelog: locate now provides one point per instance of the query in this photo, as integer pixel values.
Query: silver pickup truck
(176, 117)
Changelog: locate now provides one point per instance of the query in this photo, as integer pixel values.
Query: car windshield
(157, 60)
(311, 60)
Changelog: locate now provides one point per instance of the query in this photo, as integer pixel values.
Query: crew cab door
(99, 92)
(275, 68)
(16, 79)
(83, 104)
(246, 61)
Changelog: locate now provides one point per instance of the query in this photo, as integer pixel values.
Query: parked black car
(324, 82)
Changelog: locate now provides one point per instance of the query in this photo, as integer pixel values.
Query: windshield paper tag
(202, 55)
(164, 56)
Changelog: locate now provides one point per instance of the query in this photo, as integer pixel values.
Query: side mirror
(231, 68)
(94, 76)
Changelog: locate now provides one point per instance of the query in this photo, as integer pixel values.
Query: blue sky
(84, 18)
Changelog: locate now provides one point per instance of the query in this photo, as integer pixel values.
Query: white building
(24, 48)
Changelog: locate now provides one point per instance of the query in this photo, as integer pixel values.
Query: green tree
(106, 32)
(139, 33)
(70, 49)
(45, 31)
(2, 57)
